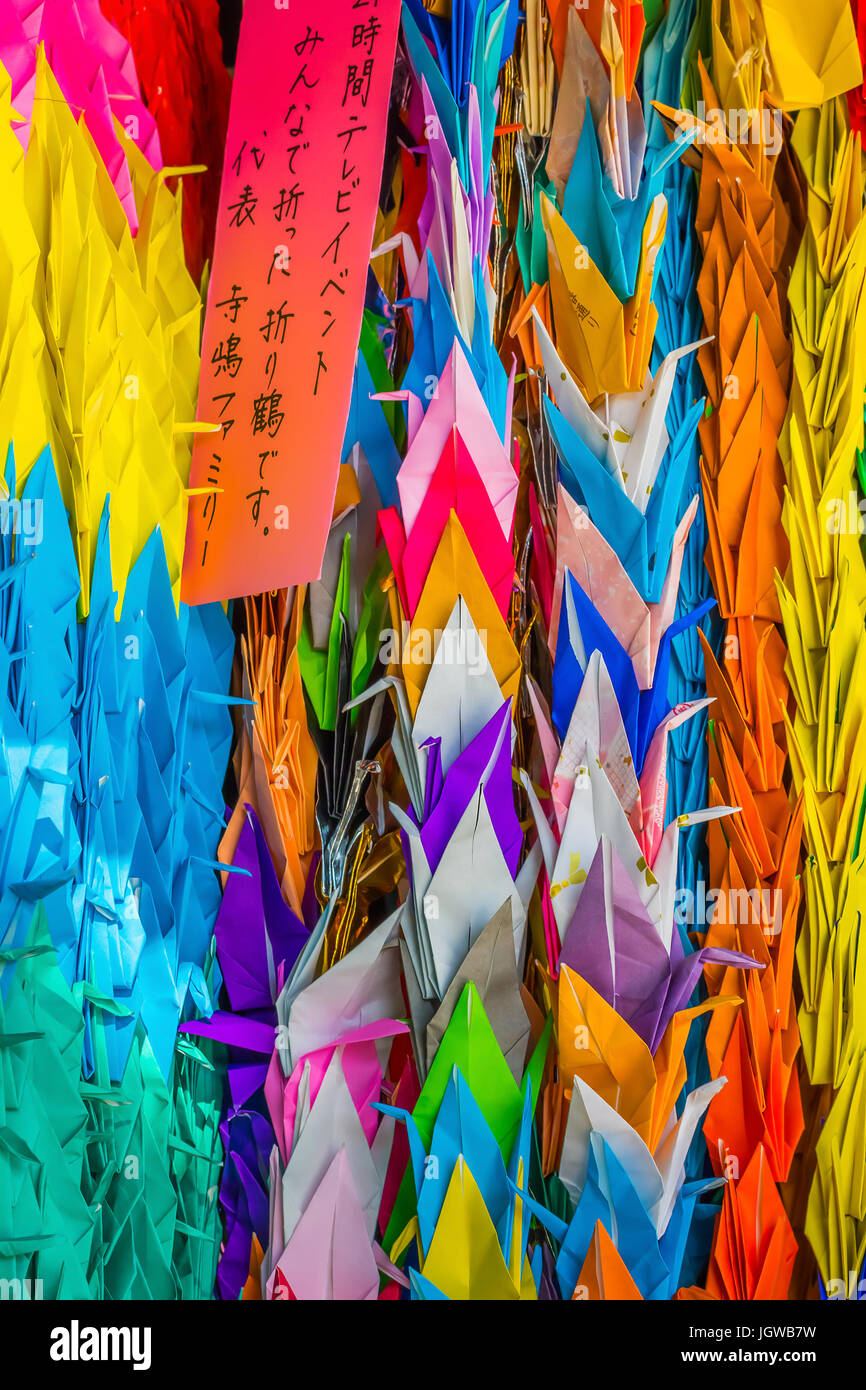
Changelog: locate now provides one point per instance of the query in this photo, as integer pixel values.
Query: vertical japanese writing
(297, 210)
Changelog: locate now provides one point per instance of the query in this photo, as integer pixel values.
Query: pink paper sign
(297, 211)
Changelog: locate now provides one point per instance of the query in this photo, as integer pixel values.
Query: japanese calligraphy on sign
(297, 210)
